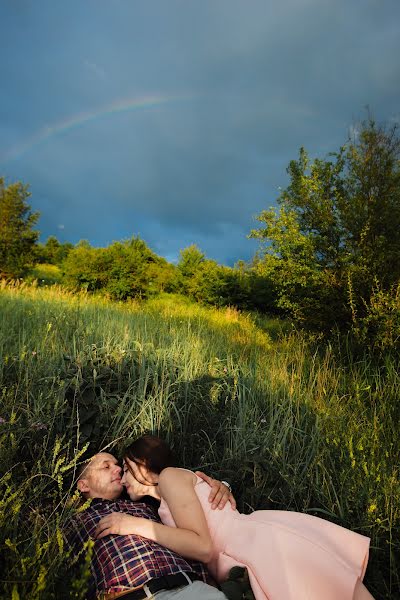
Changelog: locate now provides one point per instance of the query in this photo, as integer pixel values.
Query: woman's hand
(119, 524)
(219, 493)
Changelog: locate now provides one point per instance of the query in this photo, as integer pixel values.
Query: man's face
(102, 477)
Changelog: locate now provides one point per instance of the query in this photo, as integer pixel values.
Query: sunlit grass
(239, 395)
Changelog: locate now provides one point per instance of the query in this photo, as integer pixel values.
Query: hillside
(289, 423)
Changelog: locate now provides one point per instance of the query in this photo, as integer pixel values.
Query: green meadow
(293, 423)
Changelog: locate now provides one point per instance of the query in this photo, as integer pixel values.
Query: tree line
(329, 254)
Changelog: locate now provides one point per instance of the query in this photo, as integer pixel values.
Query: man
(131, 567)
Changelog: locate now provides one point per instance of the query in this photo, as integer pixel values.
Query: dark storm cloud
(246, 84)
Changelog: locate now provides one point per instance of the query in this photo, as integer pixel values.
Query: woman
(289, 556)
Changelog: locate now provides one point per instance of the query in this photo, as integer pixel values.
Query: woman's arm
(190, 538)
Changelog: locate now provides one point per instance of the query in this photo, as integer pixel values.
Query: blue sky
(175, 119)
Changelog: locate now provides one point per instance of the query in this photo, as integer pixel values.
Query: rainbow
(118, 106)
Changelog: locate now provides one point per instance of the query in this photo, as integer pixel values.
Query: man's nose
(118, 469)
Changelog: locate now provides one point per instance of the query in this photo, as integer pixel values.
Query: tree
(208, 283)
(371, 204)
(123, 270)
(53, 252)
(17, 238)
(86, 267)
(335, 234)
(128, 275)
(189, 260)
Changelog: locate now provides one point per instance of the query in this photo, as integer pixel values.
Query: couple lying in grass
(197, 536)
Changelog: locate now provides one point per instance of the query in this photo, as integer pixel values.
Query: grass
(45, 274)
(289, 423)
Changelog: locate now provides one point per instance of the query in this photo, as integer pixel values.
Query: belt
(166, 582)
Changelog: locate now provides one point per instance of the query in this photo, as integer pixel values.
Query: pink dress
(289, 555)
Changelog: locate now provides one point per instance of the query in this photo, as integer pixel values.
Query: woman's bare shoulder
(176, 475)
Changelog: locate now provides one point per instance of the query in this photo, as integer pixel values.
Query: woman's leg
(361, 592)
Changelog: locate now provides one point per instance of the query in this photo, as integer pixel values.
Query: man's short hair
(83, 468)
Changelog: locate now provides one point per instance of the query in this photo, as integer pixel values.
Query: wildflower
(34, 353)
(2, 420)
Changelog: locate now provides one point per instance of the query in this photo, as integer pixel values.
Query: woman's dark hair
(151, 451)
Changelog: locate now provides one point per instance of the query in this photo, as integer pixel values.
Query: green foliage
(338, 222)
(371, 205)
(34, 508)
(289, 262)
(130, 269)
(84, 267)
(379, 325)
(287, 422)
(17, 238)
(53, 252)
(189, 261)
(122, 270)
(44, 274)
(206, 281)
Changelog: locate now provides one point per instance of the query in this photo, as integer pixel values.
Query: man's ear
(83, 486)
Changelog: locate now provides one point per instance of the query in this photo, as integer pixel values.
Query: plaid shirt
(121, 562)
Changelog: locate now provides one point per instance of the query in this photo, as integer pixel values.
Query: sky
(175, 120)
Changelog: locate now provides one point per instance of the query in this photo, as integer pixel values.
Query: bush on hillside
(206, 281)
(123, 270)
(379, 326)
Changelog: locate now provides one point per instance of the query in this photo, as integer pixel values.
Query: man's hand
(219, 493)
(118, 524)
